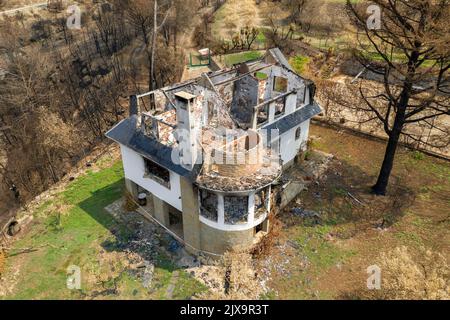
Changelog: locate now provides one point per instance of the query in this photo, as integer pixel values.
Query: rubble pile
(261, 178)
(144, 242)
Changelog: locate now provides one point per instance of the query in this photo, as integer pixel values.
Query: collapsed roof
(261, 94)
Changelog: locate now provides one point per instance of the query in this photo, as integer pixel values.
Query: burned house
(204, 157)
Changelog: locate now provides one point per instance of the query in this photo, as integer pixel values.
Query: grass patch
(426, 165)
(320, 253)
(235, 58)
(299, 63)
(409, 238)
(77, 237)
(261, 76)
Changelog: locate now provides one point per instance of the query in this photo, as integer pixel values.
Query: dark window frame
(298, 133)
(232, 219)
(206, 212)
(157, 173)
(284, 84)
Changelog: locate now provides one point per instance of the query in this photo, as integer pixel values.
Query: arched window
(298, 133)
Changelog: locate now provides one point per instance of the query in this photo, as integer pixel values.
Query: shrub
(425, 277)
(299, 63)
(417, 155)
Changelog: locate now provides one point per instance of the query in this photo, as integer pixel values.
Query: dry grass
(2, 262)
(407, 277)
(332, 257)
(236, 14)
(239, 278)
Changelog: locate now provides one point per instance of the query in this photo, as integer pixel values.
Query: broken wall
(245, 98)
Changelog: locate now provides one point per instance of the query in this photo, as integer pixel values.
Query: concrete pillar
(255, 120)
(161, 211)
(191, 216)
(291, 102)
(271, 112)
(132, 188)
(220, 209)
(251, 208)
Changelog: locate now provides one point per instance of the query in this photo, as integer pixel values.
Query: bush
(417, 155)
(425, 277)
(299, 63)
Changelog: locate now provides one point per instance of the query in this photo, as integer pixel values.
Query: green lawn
(232, 59)
(78, 236)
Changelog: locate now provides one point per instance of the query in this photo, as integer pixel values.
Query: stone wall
(217, 241)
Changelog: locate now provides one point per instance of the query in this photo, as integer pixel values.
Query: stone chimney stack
(187, 129)
(134, 110)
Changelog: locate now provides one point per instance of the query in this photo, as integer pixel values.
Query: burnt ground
(326, 249)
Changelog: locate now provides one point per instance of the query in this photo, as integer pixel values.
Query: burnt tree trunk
(380, 187)
(394, 136)
(383, 178)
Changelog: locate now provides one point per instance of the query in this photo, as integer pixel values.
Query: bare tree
(296, 8)
(413, 58)
(145, 16)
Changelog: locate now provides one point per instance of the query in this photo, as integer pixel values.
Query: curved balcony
(240, 165)
(234, 212)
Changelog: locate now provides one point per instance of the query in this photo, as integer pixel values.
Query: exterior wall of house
(290, 147)
(191, 221)
(134, 167)
(199, 232)
(218, 241)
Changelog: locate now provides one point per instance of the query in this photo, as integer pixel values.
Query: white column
(220, 210)
(306, 97)
(271, 112)
(251, 208)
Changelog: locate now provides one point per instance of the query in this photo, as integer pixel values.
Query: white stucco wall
(134, 167)
(289, 146)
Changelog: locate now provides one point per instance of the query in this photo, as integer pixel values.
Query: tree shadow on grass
(96, 203)
(343, 196)
(144, 244)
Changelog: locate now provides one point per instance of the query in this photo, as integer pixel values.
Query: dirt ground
(14, 4)
(236, 14)
(328, 257)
